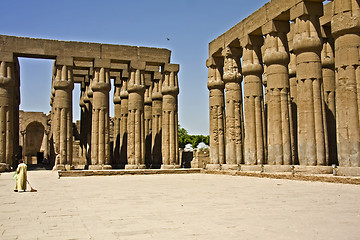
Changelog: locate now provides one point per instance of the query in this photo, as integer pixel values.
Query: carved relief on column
(62, 105)
(328, 72)
(83, 161)
(124, 96)
(148, 118)
(100, 142)
(170, 91)
(216, 86)
(7, 90)
(345, 27)
(254, 144)
(276, 59)
(233, 108)
(156, 97)
(136, 134)
(117, 122)
(312, 147)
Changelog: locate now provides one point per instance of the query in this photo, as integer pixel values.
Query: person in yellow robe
(21, 178)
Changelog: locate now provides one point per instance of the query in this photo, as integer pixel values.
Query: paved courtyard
(193, 206)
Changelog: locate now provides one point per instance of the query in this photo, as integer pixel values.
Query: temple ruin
(145, 98)
(284, 87)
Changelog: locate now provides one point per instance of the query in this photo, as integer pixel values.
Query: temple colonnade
(145, 86)
(284, 87)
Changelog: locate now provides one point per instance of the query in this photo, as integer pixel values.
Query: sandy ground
(192, 206)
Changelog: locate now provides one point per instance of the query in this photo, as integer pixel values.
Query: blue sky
(189, 24)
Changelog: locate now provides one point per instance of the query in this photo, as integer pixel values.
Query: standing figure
(21, 177)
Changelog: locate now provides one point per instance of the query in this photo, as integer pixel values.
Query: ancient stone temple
(284, 86)
(145, 88)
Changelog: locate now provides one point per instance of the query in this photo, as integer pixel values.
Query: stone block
(140, 65)
(250, 168)
(348, 171)
(277, 168)
(313, 169)
(102, 63)
(306, 8)
(171, 67)
(64, 60)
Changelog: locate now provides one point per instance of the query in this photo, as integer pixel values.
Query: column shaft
(136, 134)
(311, 128)
(170, 90)
(253, 97)
(346, 31)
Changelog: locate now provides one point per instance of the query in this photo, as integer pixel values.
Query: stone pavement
(178, 206)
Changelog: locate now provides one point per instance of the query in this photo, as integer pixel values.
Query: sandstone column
(148, 119)
(117, 121)
(156, 96)
(233, 108)
(170, 91)
(215, 85)
(276, 59)
(124, 95)
(62, 106)
(345, 26)
(100, 145)
(328, 72)
(7, 129)
(293, 97)
(136, 134)
(253, 101)
(307, 47)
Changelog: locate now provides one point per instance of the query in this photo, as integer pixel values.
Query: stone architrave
(124, 96)
(252, 69)
(100, 145)
(276, 60)
(233, 108)
(62, 106)
(328, 72)
(345, 27)
(312, 149)
(170, 91)
(7, 129)
(156, 96)
(216, 87)
(136, 134)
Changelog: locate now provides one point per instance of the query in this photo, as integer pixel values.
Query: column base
(230, 167)
(4, 167)
(170, 166)
(100, 167)
(142, 166)
(213, 166)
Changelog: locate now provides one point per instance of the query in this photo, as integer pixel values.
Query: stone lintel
(80, 71)
(115, 74)
(306, 8)
(64, 61)
(169, 67)
(80, 63)
(275, 26)
(140, 65)
(102, 63)
(152, 68)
